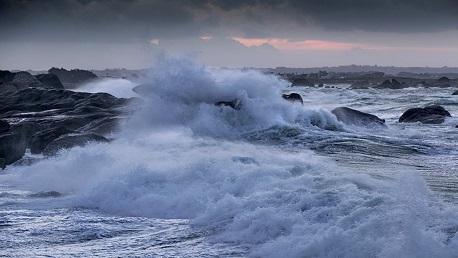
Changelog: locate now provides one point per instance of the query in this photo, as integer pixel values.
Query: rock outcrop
(50, 81)
(434, 114)
(235, 104)
(46, 120)
(390, 84)
(21, 80)
(355, 117)
(70, 141)
(72, 78)
(293, 97)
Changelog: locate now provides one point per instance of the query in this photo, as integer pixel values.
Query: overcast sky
(106, 34)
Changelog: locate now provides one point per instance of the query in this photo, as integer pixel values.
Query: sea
(187, 178)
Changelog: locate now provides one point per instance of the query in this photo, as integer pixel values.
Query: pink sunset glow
(285, 44)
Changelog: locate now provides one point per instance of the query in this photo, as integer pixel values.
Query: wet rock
(293, 97)
(72, 78)
(41, 139)
(70, 141)
(444, 79)
(103, 126)
(434, 114)
(50, 81)
(46, 120)
(12, 148)
(301, 80)
(354, 117)
(235, 104)
(390, 84)
(360, 85)
(4, 126)
(27, 129)
(6, 76)
(47, 194)
(455, 93)
(22, 80)
(35, 100)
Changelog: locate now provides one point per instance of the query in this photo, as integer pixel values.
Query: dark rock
(235, 104)
(4, 126)
(360, 85)
(50, 81)
(293, 97)
(6, 76)
(26, 129)
(12, 147)
(455, 93)
(35, 100)
(444, 79)
(354, 117)
(72, 78)
(44, 137)
(390, 84)
(70, 141)
(104, 126)
(47, 194)
(22, 80)
(46, 120)
(300, 80)
(434, 114)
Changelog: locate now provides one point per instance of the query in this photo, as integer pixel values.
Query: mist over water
(120, 88)
(181, 157)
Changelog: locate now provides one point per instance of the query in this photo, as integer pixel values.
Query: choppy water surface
(188, 179)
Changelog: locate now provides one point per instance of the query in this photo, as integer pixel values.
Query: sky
(89, 34)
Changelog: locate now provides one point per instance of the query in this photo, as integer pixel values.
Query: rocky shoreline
(38, 114)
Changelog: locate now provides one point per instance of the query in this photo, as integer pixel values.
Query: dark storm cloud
(368, 15)
(106, 19)
(140, 19)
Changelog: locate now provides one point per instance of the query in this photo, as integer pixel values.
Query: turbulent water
(186, 178)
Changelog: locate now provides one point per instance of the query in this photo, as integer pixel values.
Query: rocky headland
(38, 114)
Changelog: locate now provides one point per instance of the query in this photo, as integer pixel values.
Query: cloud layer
(346, 31)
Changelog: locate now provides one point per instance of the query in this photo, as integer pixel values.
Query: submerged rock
(434, 114)
(48, 194)
(293, 97)
(354, 117)
(235, 104)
